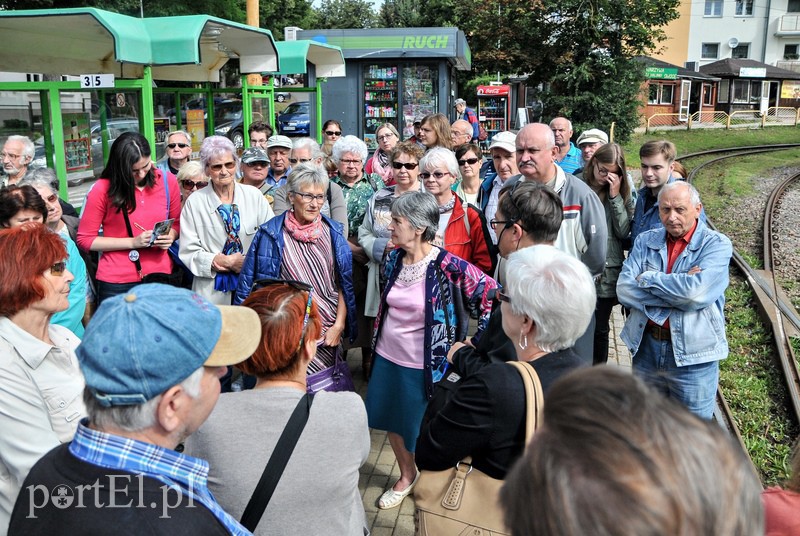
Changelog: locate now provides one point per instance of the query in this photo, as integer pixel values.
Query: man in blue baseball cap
(152, 359)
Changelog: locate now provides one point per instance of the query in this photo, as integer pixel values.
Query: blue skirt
(396, 400)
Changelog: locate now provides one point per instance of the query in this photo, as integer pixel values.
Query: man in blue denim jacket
(674, 281)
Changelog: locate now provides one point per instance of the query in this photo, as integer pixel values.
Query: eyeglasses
(51, 198)
(470, 161)
(333, 132)
(437, 175)
(408, 165)
(603, 171)
(58, 268)
(297, 285)
(181, 145)
(506, 223)
(385, 137)
(216, 168)
(190, 185)
(307, 198)
(353, 162)
(10, 156)
(259, 164)
(301, 160)
(502, 296)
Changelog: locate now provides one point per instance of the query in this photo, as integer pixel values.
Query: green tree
(400, 14)
(344, 14)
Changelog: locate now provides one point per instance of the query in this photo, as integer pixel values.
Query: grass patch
(753, 386)
(691, 141)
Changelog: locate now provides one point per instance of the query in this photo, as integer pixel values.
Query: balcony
(789, 65)
(789, 26)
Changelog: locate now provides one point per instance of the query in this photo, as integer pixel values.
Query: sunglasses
(301, 160)
(297, 285)
(58, 268)
(437, 174)
(502, 296)
(181, 145)
(190, 185)
(506, 223)
(218, 167)
(408, 165)
(259, 164)
(470, 161)
(333, 132)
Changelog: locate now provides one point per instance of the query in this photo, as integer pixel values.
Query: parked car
(283, 97)
(295, 120)
(228, 122)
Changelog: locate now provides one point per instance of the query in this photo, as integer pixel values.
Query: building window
(744, 8)
(708, 93)
(741, 91)
(714, 8)
(724, 88)
(755, 91)
(790, 52)
(794, 6)
(710, 51)
(660, 93)
(33, 77)
(742, 51)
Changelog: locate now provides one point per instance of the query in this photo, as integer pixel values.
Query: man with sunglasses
(179, 149)
(255, 166)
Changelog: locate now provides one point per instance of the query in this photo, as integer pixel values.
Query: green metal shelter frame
(136, 51)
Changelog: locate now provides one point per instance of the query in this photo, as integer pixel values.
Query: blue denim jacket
(644, 221)
(694, 304)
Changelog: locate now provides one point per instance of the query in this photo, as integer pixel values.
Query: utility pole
(252, 20)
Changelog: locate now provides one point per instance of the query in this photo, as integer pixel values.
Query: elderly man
(568, 156)
(468, 115)
(255, 166)
(503, 151)
(17, 155)
(589, 141)
(179, 149)
(674, 282)
(460, 133)
(278, 148)
(335, 207)
(152, 359)
(259, 132)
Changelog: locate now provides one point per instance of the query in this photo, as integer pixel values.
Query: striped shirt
(184, 473)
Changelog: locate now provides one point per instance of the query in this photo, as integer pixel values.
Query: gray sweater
(318, 492)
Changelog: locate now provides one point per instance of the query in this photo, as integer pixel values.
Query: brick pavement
(380, 470)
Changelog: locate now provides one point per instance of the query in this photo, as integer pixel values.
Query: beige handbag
(464, 500)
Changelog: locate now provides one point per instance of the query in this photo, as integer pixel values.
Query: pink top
(781, 512)
(405, 320)
(151, 208)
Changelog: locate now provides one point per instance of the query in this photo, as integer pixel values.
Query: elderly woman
(126, 202)
(334, 442)
(485, 416)
(606, 176)
(304, 245)
(218, 223)
(462, 229)
(435, 132)
(192, 179)
(374, 234)
(379, 164)
(470, 161)
(72, 318)
(41, 385)
(425, 308)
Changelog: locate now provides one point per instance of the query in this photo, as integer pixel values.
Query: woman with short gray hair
(302, 244)
(425, 308)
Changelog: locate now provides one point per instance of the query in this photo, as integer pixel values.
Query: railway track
(775, 309)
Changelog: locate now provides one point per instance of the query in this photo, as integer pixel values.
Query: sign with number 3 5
(91, 81)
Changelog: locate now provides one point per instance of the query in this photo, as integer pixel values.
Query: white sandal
(392, 499)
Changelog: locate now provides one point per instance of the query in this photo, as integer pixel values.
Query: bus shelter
(117, 58)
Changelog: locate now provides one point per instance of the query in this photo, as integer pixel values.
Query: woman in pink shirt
(782, 506)
(129, 185)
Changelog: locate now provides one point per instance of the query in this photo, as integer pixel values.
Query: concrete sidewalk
(381, 470)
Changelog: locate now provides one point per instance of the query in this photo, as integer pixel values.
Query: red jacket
(473, 247)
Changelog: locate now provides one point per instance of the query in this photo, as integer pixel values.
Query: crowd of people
(255, 274)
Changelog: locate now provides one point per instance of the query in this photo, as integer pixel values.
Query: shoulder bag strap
(277, 463)
(533, 397)
(130, 233)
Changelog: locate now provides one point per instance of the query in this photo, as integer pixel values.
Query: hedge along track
(775, 309)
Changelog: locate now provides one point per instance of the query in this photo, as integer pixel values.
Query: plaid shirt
(357, 198)
(185, 473)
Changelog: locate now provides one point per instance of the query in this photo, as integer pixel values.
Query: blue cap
(141, 343)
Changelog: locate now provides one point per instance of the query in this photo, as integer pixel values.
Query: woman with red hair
(240, 435)
(41, 385)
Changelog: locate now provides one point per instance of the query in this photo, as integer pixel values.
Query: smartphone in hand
(159, 229)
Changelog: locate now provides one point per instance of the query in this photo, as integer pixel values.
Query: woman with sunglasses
(331, 132)
(425, 308)
(126, 202)
(470, 161)
(218, 223)
(374, 235)
(305, 245)
(192, 179)
(435, 132)
(41, 385)
(462, 227)
(334, 442)
(606, 175)
(387, 137)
